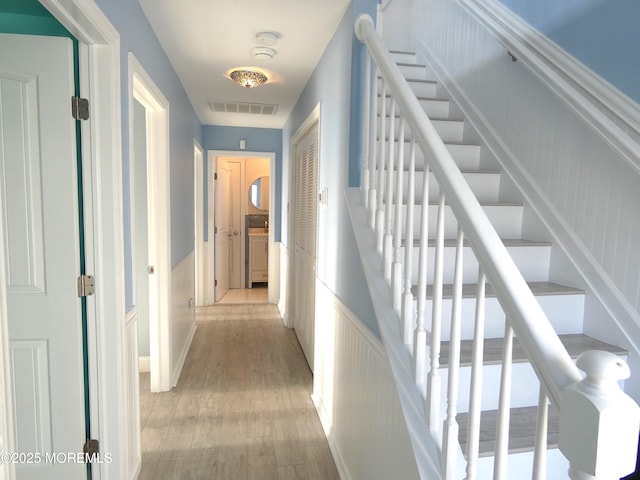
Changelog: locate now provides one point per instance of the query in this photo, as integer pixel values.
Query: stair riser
(434, 108)
(485, 186)
(403, 57)
(506, 219)
(420, 88)
(565, 312)
(524, 387)
(520, 465)
(449, 130)
(467, 157)
(532, 261)
(413, 71)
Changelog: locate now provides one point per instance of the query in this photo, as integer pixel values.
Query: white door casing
(41, 241)
(198, 201)
(145, 91)
(305, 193)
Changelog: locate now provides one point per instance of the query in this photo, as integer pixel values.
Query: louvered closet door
(305, 214)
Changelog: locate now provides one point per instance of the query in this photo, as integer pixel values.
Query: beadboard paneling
(356, 398)
(579, 183)
(183, 320)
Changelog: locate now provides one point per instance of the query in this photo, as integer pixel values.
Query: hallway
(242, 408)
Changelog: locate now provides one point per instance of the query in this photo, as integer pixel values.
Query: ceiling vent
(242, 107)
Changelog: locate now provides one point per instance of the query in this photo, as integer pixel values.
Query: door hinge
(215, 176)
(215, 229)
(215, 283)
(79, 108)
(86, 285)
(91, 447)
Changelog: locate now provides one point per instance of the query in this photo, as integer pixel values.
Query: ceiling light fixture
(248, 78)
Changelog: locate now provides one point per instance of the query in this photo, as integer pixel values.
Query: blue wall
(136, 36)
(602, 34)
(336, 77)
(256, 140)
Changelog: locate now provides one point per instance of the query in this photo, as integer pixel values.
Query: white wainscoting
(183, 318)
(354, 393)
(283, 301)
(132, 449)
(571, 172)
(274, 271)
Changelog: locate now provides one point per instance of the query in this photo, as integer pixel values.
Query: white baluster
(381, 169)
(396, 281)
(373, 144)
(420, 337)
(365, 132)
(388, 237)
(540, 453)
(504, 407)
(475, 395)
(450, 429)
(434, 378)
(407, 304)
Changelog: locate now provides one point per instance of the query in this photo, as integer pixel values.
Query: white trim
(273, 280)
(99, 45)
(199, 244)
(284, 285)
(599, 103)
(182, 357)
(144, 89)
(596, 279)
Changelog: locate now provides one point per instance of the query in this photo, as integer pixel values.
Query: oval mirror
(259, 193)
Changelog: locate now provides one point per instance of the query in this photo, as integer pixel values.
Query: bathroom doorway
(240, 243)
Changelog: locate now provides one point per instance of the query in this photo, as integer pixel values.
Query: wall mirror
(259, 193)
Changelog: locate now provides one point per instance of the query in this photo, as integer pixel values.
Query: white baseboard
(175, 375)
(144, 364)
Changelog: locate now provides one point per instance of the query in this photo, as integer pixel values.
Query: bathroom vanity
(258, 256)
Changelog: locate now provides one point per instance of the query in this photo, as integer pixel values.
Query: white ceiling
(204, 39)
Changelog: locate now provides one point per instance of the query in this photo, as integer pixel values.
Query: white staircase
(446, 309)
(563, 304)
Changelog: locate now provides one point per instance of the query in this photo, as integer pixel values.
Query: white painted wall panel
(183, 320)
(355, 395)
(577, 176)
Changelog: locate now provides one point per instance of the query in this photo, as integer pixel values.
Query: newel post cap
(599, 423)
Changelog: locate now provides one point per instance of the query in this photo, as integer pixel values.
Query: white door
(223, 229)
(229, 258)
(304, 261)
(38, 185)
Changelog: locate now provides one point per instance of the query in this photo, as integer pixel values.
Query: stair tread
(538, 289)
(422, 97)
(510, 242)
(521, 433)
(575, 344)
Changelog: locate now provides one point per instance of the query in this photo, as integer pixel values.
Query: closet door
(305, 227)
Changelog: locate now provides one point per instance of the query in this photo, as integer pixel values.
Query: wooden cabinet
(258, 259)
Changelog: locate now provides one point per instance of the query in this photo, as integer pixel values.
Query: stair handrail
(581, 401)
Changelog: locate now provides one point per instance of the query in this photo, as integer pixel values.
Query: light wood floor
(245, 295)
(242, 407)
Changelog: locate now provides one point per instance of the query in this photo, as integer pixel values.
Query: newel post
(599, 423)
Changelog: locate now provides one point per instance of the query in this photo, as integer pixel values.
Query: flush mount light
(248, 78)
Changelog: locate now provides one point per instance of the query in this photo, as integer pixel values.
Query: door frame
(212, 156)
(312, 119)
(198, 208)
(99, 48)
(145, 91)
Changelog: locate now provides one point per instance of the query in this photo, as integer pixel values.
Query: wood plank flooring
(242, 408)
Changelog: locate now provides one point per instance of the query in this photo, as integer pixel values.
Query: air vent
(241, 107)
